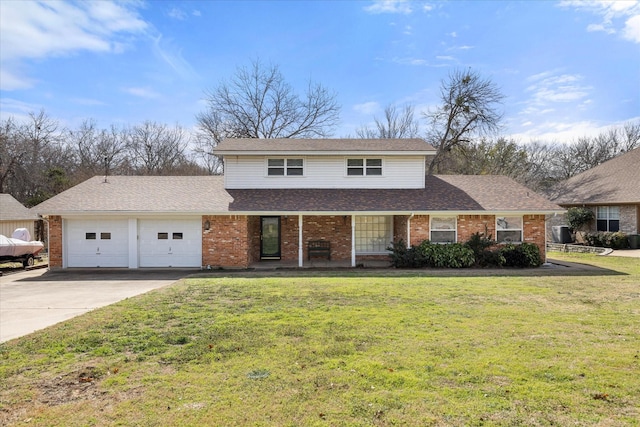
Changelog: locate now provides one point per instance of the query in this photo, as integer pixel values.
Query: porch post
(353, 240)
(300, 246)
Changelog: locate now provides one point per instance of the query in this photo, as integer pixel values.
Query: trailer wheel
(28, 262)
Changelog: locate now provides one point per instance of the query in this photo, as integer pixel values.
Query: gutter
(409, 230)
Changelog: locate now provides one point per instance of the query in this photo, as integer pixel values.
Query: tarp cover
(10, 247)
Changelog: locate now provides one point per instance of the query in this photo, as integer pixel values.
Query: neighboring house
(275, 197)
(14, 215)
(611, 190)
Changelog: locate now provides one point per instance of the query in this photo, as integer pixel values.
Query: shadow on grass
(552, 268)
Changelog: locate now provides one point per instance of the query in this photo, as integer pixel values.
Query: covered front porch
(282, 241)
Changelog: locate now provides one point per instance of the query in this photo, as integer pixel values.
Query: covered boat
(19, 245)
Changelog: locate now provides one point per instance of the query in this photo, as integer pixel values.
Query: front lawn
(342, 349)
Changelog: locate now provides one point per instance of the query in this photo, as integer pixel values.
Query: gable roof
(13, 210)
(140, 194)
(199, 195)
(614, 181)
(245, 146)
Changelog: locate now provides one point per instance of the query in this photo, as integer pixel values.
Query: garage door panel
(97, 243)
(170, 243)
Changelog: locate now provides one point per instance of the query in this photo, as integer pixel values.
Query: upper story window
(285, 167)
(443, 229)
(608, 218)
(509, 229)
(360, 167)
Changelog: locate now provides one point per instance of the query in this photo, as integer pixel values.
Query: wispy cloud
(615, 17)
(178, 14)
(367, 108)
(403, 7)
(171, 54)
(142, 92)
(41, 29)
(87, 101)
(548, 88)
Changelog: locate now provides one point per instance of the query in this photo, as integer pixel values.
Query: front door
(270, 237)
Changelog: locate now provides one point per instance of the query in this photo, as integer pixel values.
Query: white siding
(8, 227)
(325, 172)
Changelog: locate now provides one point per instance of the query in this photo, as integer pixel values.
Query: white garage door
(170, 243)
(97, 243)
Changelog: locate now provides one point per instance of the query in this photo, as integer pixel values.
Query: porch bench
(319, 248)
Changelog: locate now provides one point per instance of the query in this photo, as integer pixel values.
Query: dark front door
(270, 237)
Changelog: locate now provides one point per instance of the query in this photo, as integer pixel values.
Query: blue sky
(567, 68)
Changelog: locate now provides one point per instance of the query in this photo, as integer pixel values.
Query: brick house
(275, 197)
(611, 190)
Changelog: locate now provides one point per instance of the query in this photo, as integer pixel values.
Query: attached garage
(170, 242)
(97, 242)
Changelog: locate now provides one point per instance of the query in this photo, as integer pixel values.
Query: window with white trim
(285, 167)
(361, 167)
(509, 229)
(608, 218)
(443, 229)
(373, 234)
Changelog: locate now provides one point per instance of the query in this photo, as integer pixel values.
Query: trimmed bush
(523, 255)
(458, 255)
(427, 254)
(451, 255)
(607, 239)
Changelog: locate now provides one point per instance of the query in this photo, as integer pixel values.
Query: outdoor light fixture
(207, 225)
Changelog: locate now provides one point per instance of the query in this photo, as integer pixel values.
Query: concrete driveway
(33, 300)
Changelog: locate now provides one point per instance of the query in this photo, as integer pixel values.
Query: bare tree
(489, 157)
(156, 149)
(258, 103)
(396, 124)
(468, 109)
(11, 153)
(98, 151)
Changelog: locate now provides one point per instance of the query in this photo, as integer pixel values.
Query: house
(611, 190)
(14, 215)
(278, 195)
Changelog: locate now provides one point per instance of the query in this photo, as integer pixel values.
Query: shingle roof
(614, 181)
(442, 193)
(322, 146)
(13, 210)
(168, 194)
(206, 194)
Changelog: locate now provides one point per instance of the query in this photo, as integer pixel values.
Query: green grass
(343, 349)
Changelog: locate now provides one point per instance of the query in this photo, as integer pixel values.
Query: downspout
(409, 230)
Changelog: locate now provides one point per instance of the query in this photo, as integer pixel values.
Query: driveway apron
(33, 300)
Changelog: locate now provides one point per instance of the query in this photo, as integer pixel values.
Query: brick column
(55, 241)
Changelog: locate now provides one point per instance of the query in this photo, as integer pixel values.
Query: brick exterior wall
(55, 242)
(226, 243)
(334, 228)
(419, 229)
(534, 232)
(629, 219)
(471, 224)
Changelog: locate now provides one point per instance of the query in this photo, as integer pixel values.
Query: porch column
(300, 245)
(353, 240)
